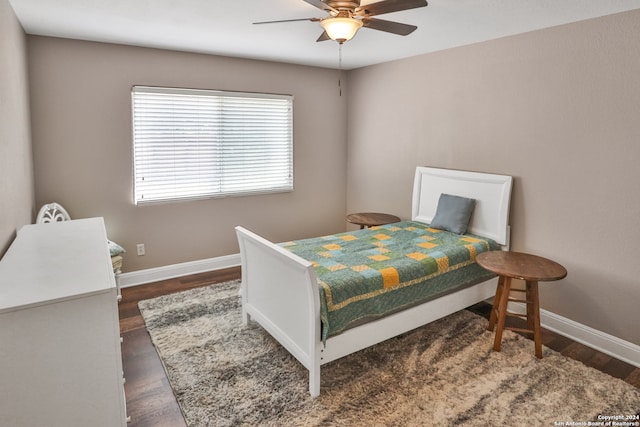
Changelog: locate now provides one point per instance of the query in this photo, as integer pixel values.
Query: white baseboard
(142, 277)
(598, 340)
(601, 341)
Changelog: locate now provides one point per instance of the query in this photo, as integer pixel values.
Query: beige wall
(556, 108)
(81, 113)
(16, 168)
(559, 109)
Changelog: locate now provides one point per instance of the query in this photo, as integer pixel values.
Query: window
(191, 144)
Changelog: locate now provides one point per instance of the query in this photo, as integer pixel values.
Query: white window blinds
(198, 143)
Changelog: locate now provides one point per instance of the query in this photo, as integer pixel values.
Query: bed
(282, 292)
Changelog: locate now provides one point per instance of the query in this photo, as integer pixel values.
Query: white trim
(140, 277)
(598, 340)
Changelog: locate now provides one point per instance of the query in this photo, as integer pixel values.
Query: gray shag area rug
(444, 374)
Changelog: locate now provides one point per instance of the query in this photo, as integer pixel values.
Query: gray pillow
(453, 213)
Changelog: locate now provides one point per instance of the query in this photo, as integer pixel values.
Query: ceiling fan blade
(323, 37)
(388, 6)
(288, 20)
(321, 5)
(389, 26)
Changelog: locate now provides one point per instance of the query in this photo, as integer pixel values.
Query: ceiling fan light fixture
(341, 29)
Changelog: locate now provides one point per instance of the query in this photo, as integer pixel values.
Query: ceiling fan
(346, 17)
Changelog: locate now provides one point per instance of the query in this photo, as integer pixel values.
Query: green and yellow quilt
(366, 274)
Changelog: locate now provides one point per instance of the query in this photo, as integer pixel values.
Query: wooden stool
(531, 269)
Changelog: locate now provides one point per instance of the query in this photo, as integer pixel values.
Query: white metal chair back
(52, 212)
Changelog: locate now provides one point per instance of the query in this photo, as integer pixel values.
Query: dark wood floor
(150, 401)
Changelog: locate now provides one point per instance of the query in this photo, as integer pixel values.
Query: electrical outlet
(140, 249)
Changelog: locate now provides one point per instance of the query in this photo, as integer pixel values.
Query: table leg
(533, 315)
(502, 313)
(496, 304)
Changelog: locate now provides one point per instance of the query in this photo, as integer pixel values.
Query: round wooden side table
(371, 219)
(530, 268)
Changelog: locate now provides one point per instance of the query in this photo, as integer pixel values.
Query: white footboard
(280, 292)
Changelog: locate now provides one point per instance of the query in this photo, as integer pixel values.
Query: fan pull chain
(340, 68)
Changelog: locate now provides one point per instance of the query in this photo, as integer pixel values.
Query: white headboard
(492, 194)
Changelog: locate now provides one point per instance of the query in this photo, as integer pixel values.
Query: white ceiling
(224, 27)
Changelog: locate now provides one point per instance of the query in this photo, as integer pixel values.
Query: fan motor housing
(336, 4)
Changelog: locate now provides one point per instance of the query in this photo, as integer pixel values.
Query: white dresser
(60, 356)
